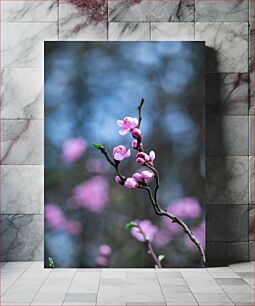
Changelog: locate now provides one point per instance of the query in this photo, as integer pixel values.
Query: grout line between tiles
(69, 286)
(17, 278)
(40, 288)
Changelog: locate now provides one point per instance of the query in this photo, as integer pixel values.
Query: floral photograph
(124, 154)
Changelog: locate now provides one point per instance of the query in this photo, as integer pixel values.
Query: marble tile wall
(228, 29)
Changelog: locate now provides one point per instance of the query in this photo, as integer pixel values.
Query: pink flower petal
(118, 156)
(127, 154)
(124, 132)
(119, 122)
(152, 155)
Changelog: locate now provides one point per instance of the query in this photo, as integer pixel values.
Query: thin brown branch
(149, 247)
(140, 112)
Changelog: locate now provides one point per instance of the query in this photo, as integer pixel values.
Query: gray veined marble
(22, 10)
(74, 24)
(226, 94)
(227, 45)
(251, 135)
(151, 10)
(213, 10)
(251, 222)
(227, 223)
(216, 252)
(227, 135)
(22, 43)
(172, 31)
(251, 68)
(22, 142)
(22, 237)
(227, 180)
(22, 93)
(251, 10)
(251, 179)
(22, 188)
(129, 31)
(238, 251)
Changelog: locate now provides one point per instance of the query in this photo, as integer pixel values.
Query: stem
(140, 112)
(149, 247)
(116, 167)
(153, 197)
(159, 211)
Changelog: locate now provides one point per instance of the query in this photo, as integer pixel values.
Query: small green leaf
(130, 225)
(50, 262)
(161, 257)
(97, 146)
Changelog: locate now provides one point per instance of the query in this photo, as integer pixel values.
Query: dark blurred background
(88, 86)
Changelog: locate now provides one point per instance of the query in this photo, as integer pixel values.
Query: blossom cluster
(131, 125)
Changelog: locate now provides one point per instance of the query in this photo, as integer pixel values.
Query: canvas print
(124, 154)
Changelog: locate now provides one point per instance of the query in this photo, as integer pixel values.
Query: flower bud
(136, 133)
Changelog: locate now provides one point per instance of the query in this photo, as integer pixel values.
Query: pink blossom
(94, 165)
(118, 179)
(134, 144)
(92, 194)
(105, 250)
(73, 149)
(186, 208)
(147, 175)
(141, 157)
(102, 261)
(73, 227)
(143, 177)
(127, 124)
(138, 177)
(131, 183)
(119, 153)
(54, 216)
(148, 229)
(140, 160)
(136, 133)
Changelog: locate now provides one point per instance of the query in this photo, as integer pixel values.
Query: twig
(149, 247)
(140, 112)
(153, 196)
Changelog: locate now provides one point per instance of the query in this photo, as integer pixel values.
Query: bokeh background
(88, 86)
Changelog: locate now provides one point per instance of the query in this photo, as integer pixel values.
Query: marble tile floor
(28, 283)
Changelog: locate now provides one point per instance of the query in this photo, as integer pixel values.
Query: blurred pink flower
(141, 157)
(127, 124)
(173, 228)
(73, 227)
(147, 228)
(54, 216)
(138, 177)
(73, 149)
(119, 153)
(102, 261)
(94, 165)
(162, 238)
(136, 133)
(105, 250)
(131, 183)
(92, 194)
(199, 233)
(186, 208)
